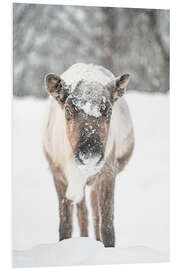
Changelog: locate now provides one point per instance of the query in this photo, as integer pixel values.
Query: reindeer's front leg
(82, 215)
(106, 209)
(95, 209)
(65, 211)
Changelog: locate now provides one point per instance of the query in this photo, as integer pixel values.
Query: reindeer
(88, 139)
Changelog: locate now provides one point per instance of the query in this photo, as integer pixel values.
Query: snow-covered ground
(84, 251)
(141, 196)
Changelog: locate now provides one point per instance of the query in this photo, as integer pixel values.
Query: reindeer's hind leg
(82, 215)
(95, 208)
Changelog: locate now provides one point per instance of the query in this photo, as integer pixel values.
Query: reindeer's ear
(56, 87)
(117, 87)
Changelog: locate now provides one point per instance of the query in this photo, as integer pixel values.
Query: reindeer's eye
(68, 111)
(109, 113)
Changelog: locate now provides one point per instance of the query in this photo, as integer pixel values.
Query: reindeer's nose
(90, 151)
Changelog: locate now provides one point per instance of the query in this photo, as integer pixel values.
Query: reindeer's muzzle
(90, 151)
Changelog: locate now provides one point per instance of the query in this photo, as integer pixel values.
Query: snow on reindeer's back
(87, 86)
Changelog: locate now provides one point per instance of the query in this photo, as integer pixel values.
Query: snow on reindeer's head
(87, 109)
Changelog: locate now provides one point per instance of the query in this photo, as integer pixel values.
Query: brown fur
(82, 215)
(95, 208)
(102, 198)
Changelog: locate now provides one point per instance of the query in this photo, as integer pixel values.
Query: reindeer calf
(88, 139)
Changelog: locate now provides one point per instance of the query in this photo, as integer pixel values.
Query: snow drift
(84, 251)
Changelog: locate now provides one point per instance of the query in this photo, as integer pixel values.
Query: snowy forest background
(50, 38)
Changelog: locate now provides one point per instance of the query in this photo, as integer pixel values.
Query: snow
(90, 110)
(67, 252)
(86, 82)
(141, 194)
(86, 72)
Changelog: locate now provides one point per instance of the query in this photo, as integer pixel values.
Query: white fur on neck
(76, 183)
(77, 177)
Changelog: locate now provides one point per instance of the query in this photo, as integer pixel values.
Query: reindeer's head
(87, 110)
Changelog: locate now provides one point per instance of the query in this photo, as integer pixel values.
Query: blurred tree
(50, 38)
